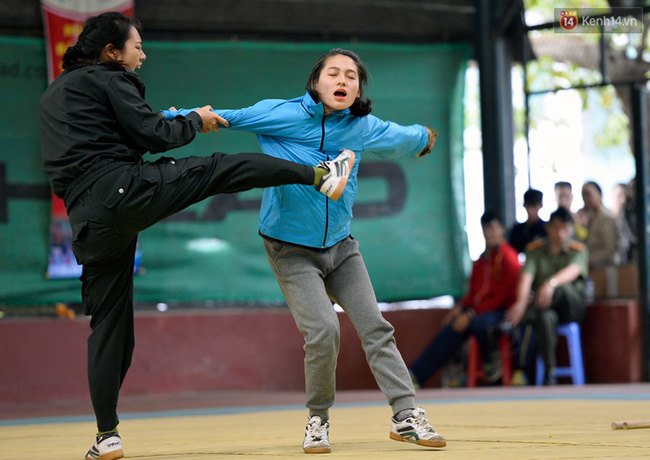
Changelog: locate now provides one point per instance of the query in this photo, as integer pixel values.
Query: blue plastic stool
(575, 370)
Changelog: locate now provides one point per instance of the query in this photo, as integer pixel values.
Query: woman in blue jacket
(308, 242)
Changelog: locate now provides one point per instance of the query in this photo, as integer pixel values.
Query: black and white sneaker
(317, 437)
(415, 428)
(333, 183)
(107, 447)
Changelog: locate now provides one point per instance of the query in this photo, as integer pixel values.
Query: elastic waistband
(269, 238)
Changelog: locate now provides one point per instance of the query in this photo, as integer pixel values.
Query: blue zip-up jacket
(296, 130)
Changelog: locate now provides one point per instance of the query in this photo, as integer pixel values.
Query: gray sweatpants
(309, 279)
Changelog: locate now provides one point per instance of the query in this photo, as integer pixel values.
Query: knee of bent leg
(324, 337)
(378, 337)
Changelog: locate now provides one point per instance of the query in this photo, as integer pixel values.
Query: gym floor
(563, 422)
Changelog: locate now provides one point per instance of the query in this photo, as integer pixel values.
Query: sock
(403, 414)
(318, 174)
(101, 433)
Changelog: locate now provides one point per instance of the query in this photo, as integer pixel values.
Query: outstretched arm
(145, 126)
(391, 140)
(211, 120)
(271, 117)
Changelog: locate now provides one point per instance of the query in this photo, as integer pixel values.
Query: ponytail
(74, 58)
(98, 31)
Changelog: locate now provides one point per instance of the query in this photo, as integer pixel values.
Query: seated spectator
(523, 233)
(492, 290)
(564, 199)
(550, 291)
(604, 235)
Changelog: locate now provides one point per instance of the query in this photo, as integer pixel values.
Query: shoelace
(324, 165)
(342, 164)
(419, 418)
(317, 430)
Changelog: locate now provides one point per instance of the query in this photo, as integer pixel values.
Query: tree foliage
(570, 60)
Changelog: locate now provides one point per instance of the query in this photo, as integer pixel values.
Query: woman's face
(131, 56)
(591, 197)
(338, 83)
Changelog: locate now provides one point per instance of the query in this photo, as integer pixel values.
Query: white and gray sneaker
(107, 447)
(317, 436)
(415, 428)
(333, 183)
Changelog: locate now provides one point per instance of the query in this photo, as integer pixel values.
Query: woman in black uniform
(95, 127)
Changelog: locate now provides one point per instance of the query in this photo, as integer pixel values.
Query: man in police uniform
(551, 287)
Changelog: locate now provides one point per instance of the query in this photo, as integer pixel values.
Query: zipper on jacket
(322, 134)
(327, 204)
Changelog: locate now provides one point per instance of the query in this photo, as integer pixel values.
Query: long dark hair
(98, 31)
(362, 105)
(595, 186)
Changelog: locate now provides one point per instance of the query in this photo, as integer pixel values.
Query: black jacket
(94, 118)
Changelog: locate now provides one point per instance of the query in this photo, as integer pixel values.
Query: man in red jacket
(492, 289)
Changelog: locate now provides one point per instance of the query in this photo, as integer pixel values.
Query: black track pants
(106, 220)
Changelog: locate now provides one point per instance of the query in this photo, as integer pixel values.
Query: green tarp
(409, 212)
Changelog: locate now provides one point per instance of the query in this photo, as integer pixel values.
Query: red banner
(63, 21)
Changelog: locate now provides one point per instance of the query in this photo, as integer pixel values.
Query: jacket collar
(490, 253)
(565, 249)
(317, 109)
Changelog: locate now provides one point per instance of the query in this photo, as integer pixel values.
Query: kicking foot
(333, 183)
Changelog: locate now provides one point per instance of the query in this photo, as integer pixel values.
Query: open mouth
(340, 93)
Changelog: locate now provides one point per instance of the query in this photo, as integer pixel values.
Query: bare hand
(462, 322)
(515, 313)
(433, 134)
(453, 313)
(545, 295)
(211, 120)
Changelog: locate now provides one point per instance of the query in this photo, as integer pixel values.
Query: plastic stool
(575, 370)
(474, 362)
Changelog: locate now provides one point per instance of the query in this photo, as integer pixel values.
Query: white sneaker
(333, 183)
(416, 429)
(317, 437)
(106, 447)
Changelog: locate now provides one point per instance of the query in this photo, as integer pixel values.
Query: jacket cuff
(196, 120)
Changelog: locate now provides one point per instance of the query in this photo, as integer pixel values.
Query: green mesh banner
(408, 212)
